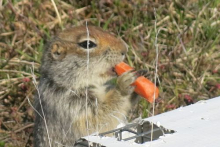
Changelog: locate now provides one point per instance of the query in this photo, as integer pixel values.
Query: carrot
(144, 87)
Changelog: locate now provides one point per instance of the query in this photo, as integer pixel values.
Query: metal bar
(141, 135)
(112, 131)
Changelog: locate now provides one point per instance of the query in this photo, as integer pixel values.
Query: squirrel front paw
(124, 82)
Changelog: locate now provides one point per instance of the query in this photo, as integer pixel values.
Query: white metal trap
(197, 125)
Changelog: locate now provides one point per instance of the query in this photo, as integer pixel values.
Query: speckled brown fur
(67, 82)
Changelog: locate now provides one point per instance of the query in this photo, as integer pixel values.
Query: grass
(188, 43)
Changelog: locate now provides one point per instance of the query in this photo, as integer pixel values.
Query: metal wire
(141, 133)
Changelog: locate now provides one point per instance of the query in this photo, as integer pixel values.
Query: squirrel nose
(123, 53)
(124, 50)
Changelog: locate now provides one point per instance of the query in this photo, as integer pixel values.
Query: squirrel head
(82, 55)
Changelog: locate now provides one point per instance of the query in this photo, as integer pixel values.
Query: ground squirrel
(69, 80)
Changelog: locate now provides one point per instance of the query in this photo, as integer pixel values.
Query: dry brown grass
(188, 43)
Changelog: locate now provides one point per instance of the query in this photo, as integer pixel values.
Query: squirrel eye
(89, 46)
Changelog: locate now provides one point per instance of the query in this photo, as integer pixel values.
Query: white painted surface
(197, 125)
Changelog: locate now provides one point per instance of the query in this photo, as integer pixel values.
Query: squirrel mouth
(111, 71)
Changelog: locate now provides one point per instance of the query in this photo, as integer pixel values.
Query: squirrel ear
(58, 52)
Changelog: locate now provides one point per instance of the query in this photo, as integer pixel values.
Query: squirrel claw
(124, 83)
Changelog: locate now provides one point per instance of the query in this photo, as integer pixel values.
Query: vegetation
(186, 34)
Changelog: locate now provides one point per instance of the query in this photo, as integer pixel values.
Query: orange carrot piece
(122, 67)
(143, 86)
